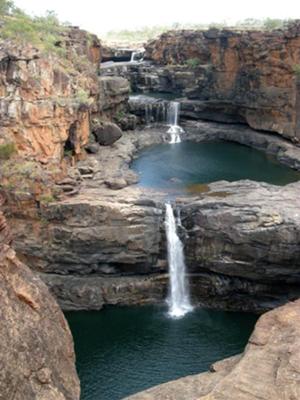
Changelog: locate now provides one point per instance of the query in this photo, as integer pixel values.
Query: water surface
(182, 165)
(121, 351)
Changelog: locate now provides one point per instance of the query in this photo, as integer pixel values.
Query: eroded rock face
(247, 76)
(41, 102)
(241, 239)
(114, 92)
(37, 355)
(268, 368)
(242, 229)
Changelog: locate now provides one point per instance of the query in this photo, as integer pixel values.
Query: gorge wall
(233, 76)
(37, 355)
(106, 245)
(95, 239)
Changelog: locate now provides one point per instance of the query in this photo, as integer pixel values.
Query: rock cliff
(44, 101)
(268, 368)
(233, 76)
(37, 355)
(51, 110)
(106, 245)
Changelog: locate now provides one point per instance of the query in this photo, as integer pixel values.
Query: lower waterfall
(179, 297)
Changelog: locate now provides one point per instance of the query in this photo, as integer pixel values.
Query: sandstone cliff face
(41, 102)
(241, 76)
(268, 368)
(37, 355)
(47, 102)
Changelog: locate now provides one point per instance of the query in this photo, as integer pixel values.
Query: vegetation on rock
(44, 32)
(7, 150)
(296, 69)
(147, 33)
(193, 62)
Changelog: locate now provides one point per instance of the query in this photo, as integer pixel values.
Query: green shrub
(120, 115)
(47, 199)
(296, 69)
(82, 97)
(7, 150)
(193, 62)
(43, 32)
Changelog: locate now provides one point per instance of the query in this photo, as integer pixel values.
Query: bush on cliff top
(43, 32)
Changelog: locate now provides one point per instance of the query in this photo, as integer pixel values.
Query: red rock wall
(250, 70)
(42, 96)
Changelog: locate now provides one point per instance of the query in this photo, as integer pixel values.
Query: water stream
(179, 298)
(175, 130)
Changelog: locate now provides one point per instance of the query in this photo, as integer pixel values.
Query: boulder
(107, 133)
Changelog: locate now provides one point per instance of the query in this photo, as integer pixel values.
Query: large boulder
(107, 133)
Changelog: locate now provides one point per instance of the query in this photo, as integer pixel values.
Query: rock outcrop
(268, 368)
(241, 244)
(42, 104)
(37, 355)
(49, 108)
(246, 76)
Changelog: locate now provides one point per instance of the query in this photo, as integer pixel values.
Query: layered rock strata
(106, 245)
(229, 76)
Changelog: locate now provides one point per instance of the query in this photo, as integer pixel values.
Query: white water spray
(133, 54)
(179, 298)
(139, 53)
(175, 130)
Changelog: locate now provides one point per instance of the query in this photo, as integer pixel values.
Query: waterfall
(179, 298)
(133, 54)
(175, 130)
(139, 53)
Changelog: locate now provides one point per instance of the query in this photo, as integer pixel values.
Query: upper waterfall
(173, 114)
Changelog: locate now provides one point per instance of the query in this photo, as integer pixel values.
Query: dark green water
(121, 351)
(180, 166)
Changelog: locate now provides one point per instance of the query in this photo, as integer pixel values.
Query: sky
(100, 16)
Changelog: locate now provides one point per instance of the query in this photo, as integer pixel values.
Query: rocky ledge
(268, 368)
(242, 76)
(106, 245)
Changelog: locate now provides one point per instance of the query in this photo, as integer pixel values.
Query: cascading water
(179, 298)
(133, 54)
(137, 56)
(175, 130)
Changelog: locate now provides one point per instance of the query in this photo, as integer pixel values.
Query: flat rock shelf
(123, 350)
